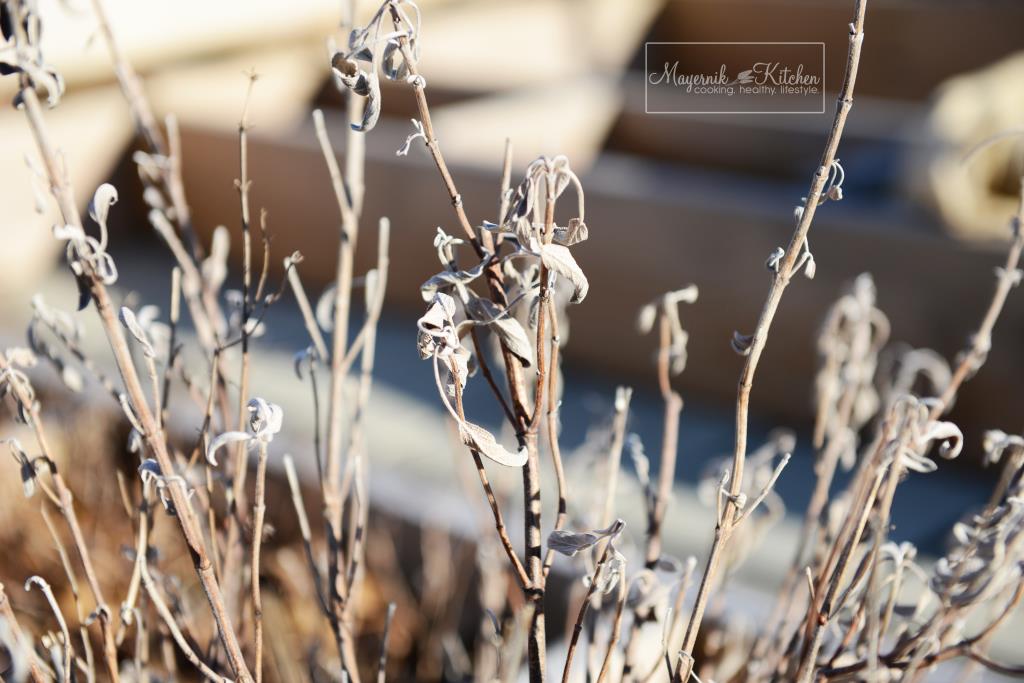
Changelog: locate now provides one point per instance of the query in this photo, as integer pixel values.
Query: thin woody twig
(258, 513)
(781, 279)
(136, 395)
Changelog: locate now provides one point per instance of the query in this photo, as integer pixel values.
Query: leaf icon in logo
(745, 76)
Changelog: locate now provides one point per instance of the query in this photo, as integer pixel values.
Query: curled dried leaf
(102, 200)
(507, 328)
(741, 343)
(560, 260)
(128, 319)
(569, 543)
(481, 440)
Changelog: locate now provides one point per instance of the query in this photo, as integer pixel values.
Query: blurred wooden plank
(493, 45)
(212, 93)
(571, 118)
(914, 44)
(777, 145)
(652, 228)
(153, 35)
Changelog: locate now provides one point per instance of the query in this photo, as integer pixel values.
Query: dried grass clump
(854, 605)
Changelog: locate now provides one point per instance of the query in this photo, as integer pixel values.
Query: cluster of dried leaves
(854, 605)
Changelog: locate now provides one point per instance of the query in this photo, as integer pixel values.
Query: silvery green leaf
(642, 588)
(223, 440)
(612, 572)
(646, 318)
(507, 328)
(308, 356)
(150, 471)
(568, 543)
(346, 68)
(998, 442)
(150, 167)
(43, 78)
(918, 463)
(67, 233)
(522, 200)
(482, 441)
(450, 279)
(84, 293)
(102, 200)
(393, 63)
(741, 343)
(466, 368)
(667, 563)
(134, 441)
(370, 284)
(371, 112)
(19, 355)
(25, 466)
(641, 463)
(325, 309)
(129, 321)
(215, 266)
(265, 418)
(154, 199)
(574, 233)
(71, 378)
(950, 437)
(560, 260)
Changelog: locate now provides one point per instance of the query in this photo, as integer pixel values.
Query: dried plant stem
(532, 504)
(357, 469)
(333, 502)
(66, 672)
(308, 318)
(982, 339)
(233, 548)
(620, 605)
(666, 477)
(577, 627)
(34, 668)
(382, 661)
(499, 522)
(823, 613)
(258, 512)
(669, 448)
(149, 130)
(552, 424)
(64, 501)
(154, 438)
(430, 139)
(304, 529)
(780, 281)
(172, 624)
(527, 422)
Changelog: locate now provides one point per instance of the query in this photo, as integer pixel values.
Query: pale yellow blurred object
(974, 197)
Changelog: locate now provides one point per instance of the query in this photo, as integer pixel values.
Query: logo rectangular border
(734, 42)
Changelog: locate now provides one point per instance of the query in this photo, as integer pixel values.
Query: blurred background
(671, 200)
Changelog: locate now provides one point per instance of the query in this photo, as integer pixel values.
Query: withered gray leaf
(560, 260)
(507, 328)
(479, 439)
(574, 233)
(569, 543)
(102, 200)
